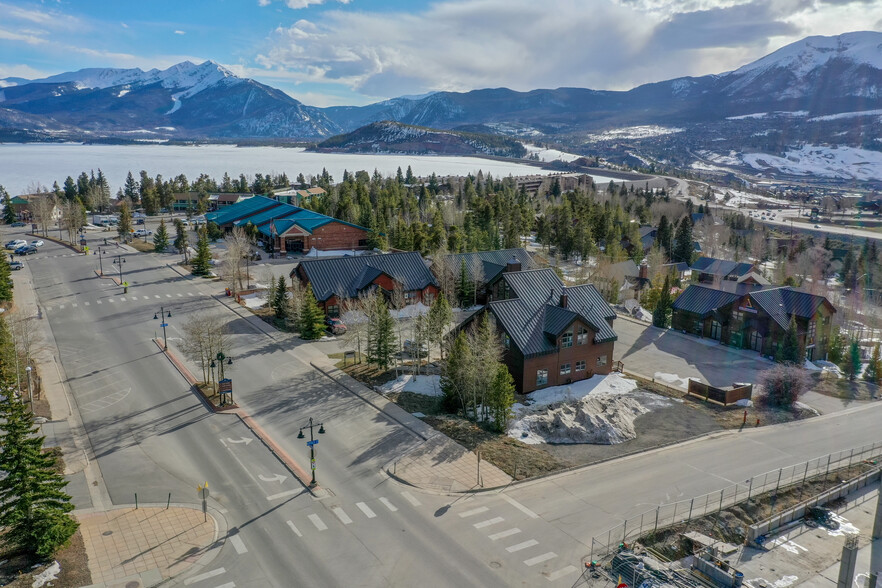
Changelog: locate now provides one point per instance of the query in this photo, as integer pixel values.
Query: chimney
(564, 298)
(513, 265)
(644, 271)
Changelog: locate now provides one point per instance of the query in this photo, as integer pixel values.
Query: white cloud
(298, 4)
(29, 38)
(124, 25)
(16, 70)
(524, 44)
(180, 32)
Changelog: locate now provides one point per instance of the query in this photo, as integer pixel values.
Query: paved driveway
(671, 357)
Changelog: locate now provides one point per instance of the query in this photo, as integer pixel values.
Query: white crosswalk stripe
(238, 544)
(134, 297)
(86, 303)
(227, 585)
(168, 295)
(122, 298)
(503, 534)
(520, 546)
(540, 558)
(157, 296)
(74, 305)
(473, 512)
(488, 522)
(111, 300)
(366, 510)
(180, 295)
(295, 529)
(97, 302)
(411, 498)
(321, 526)
(561, 573)
(341, 514)
(205, 576)
(388, 504)
(61, 307)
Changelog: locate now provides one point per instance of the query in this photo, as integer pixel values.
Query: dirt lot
(18, 571)
(846, 389)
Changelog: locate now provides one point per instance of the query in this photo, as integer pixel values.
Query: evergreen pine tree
(270, 292)
(836, 348)
(454, 376)
(160, 237)
(9, 215)
(501, 398)
(683, 245)
(201, 267)
(662, 307)
(790, 351)
(440, 316)
(280, 298)
(381, 335)
(465, 287)
(853, 365)
(312, 319)
(125, 222)
(874, 368)
(5, 280)
(33, 506)
(182, 240)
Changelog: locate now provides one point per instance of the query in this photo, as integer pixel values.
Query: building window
(564, 369)
(362, 242)
(582, 337)
(580, 365)
(409, 297)
(333, 310)
(810, 335)
(541, 377)
(566, 340)
(601, 361)
(428, 298)
(506, 341)
(716, 329)
(737, 316)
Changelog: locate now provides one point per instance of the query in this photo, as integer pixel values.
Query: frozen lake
(21, 164)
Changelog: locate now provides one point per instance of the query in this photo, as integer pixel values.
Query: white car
(37, 243)
(143, 233)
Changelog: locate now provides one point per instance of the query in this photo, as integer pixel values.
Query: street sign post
(224, 387)
(311, 443)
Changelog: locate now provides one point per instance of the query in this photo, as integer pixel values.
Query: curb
(54, 240)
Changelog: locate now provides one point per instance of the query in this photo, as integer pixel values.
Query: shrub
(783, 385)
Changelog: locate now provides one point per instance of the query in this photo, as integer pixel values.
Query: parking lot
(672, 357)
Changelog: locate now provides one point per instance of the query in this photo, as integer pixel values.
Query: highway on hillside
(152, 436)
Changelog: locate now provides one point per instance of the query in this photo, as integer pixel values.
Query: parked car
(37, 243)
(335, 326)
(16, 265)
(410, 347)
(139, 221)
(26, 250)
(18, 224)
(817, 226)
(15, 244)
(143, 233)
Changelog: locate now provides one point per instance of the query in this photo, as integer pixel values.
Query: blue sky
(329, 52)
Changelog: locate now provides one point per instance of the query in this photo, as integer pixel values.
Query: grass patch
(517, 459)
(268, 315)
(143, 247)
(55, 452)
(830, 385)
(18, 571)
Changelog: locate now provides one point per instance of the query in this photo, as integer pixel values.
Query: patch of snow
(424, 385)
(331, 253)
(841, 115)
(50, 574)
(841, 162)
(123, 92)
(614, 383)
(744, 402)
(811, 367)
(845, 527)
(411, 311)
(636, 132)
(176, 103)
(804, 406)
(254, 300)
(549, 154)
(165, 128)
(746, 116)
(673, 379)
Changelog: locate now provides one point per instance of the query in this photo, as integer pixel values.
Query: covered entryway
(294, 245)
(756, 341)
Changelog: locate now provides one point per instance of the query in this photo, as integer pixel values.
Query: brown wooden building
(755, 319)
(552, 334)
(334, 279)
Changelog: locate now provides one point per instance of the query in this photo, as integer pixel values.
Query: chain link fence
(667, 515)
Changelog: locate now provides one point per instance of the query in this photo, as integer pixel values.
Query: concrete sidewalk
(144, 546)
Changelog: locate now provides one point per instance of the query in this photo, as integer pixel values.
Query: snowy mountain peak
(806, 55)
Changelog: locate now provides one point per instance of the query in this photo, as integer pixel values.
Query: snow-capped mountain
(185, 100)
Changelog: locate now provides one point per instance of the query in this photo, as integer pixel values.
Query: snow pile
(811, 367)
(601, 410)
(636, 132)
(50, 574)
(738, 198)
(255, 300)
(804, 406)
(549, 154)
(744, 402)
(425, 385)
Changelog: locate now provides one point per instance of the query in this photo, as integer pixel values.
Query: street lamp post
(101, 262)
(220, 362)
(120, 260)
(161, 315)
(311, 444)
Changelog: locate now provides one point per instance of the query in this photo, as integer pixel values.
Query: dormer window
(566, 340)
(582, 336)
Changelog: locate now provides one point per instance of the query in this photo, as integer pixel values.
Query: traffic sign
(164, 325)
(311, 443)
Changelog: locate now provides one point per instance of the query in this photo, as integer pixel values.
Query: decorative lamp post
(311, 444)
(225, 386)
(30, 394)
(162, 315)
(119, 261)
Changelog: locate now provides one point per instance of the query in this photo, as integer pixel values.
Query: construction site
(815, 524)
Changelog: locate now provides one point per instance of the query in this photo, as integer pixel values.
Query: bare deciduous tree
(352, 312)
(205, 336)
(238, 246)
(43, 209)
(445, 273)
